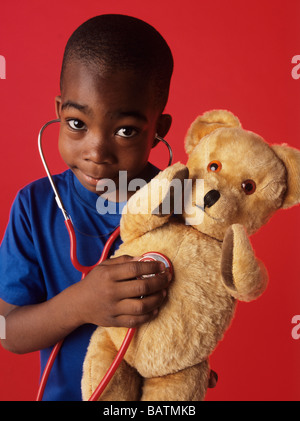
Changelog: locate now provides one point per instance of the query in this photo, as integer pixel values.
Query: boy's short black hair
(116, 42)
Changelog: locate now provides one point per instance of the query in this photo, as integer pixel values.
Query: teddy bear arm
(244, 276)
(152, 205)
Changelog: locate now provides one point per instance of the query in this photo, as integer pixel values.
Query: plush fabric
(214, 264)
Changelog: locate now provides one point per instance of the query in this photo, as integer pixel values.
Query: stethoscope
(86, 269)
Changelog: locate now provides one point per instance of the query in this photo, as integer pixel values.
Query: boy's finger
(139, 307)
(120, 259)
(131, 269)
(136, 288)
(213, 379)
(135, 321)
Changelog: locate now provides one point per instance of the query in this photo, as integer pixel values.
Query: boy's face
(108, 124)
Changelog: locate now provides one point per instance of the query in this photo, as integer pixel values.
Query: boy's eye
(76, 124)
(126, 132)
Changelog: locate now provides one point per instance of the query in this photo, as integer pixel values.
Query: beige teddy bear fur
(245, 182)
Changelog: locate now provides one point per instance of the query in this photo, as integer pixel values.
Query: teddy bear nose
(211, 198)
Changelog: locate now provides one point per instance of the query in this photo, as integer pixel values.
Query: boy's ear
(163, 126)
(57, 105)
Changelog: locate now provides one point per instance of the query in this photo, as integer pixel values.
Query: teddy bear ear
(207, 123)
(291, 159)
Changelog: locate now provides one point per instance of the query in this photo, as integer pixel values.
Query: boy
(114, 84)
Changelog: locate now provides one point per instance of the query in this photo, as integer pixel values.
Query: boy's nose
(97, 150)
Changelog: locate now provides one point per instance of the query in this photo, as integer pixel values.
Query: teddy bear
(245, 180)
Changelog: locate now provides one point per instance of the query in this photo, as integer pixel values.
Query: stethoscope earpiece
(161, 139)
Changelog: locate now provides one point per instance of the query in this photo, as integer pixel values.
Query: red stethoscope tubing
(115, 364)
(129, 335)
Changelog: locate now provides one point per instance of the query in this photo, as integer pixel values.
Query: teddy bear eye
(249, 186)
(214, 166)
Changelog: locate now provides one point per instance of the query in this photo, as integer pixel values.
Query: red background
(228, 54)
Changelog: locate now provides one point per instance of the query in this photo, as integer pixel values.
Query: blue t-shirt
(35, 262)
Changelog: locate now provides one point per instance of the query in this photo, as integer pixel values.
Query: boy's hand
(110, 295)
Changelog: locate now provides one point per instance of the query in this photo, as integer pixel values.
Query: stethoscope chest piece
(156, 256)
